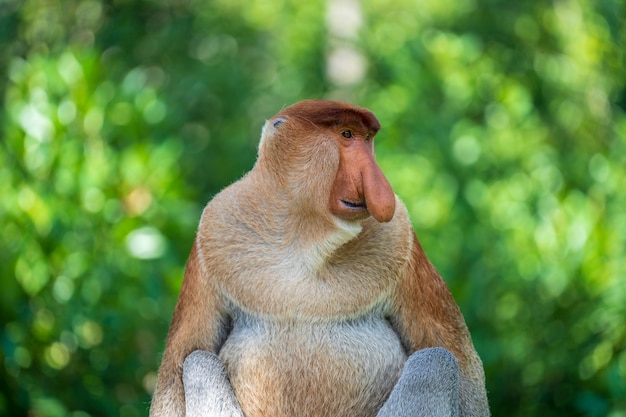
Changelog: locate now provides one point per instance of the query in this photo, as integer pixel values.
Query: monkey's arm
(197, 324)
(427, 316)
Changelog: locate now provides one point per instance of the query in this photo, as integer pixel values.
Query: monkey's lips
(353, 210)
(354, 205)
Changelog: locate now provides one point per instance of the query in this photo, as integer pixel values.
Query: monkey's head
(321, 153)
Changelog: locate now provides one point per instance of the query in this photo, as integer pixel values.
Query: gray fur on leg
(428, 387)
(208, 392)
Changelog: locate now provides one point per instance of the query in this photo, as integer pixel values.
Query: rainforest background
(504, 131)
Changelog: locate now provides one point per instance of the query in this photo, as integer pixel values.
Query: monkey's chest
(302, 369)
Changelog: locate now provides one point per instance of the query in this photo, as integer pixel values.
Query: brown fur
(313, 304)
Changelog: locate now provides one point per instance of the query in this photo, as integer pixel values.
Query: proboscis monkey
(307, 280)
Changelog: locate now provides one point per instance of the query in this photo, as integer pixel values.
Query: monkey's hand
(207, 389)
(428, 387)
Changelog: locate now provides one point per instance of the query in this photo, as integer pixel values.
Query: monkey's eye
(347, 134)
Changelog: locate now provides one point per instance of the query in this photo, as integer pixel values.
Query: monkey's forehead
(331, 113)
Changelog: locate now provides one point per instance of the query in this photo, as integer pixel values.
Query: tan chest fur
(289, 368)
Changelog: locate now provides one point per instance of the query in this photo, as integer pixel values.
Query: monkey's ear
(278, 121)
(270, 127)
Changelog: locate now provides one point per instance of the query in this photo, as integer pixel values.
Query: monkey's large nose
(380, 199)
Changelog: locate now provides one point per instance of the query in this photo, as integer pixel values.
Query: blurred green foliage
(504, 131)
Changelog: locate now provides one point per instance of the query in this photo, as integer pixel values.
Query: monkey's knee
(437, 363)
(207, 388)
(428, 386)
(201, 363)
(201, 372)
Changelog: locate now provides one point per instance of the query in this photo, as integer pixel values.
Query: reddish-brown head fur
(327, 149)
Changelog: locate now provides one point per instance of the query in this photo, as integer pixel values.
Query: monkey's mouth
(354, 205)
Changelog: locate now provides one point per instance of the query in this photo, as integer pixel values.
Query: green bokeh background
(504, 131)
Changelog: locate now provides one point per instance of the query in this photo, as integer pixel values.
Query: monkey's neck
(315, 252)
(311, 239)
(309, 236)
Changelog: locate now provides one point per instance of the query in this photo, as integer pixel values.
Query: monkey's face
(322, 153)
(360, 188)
